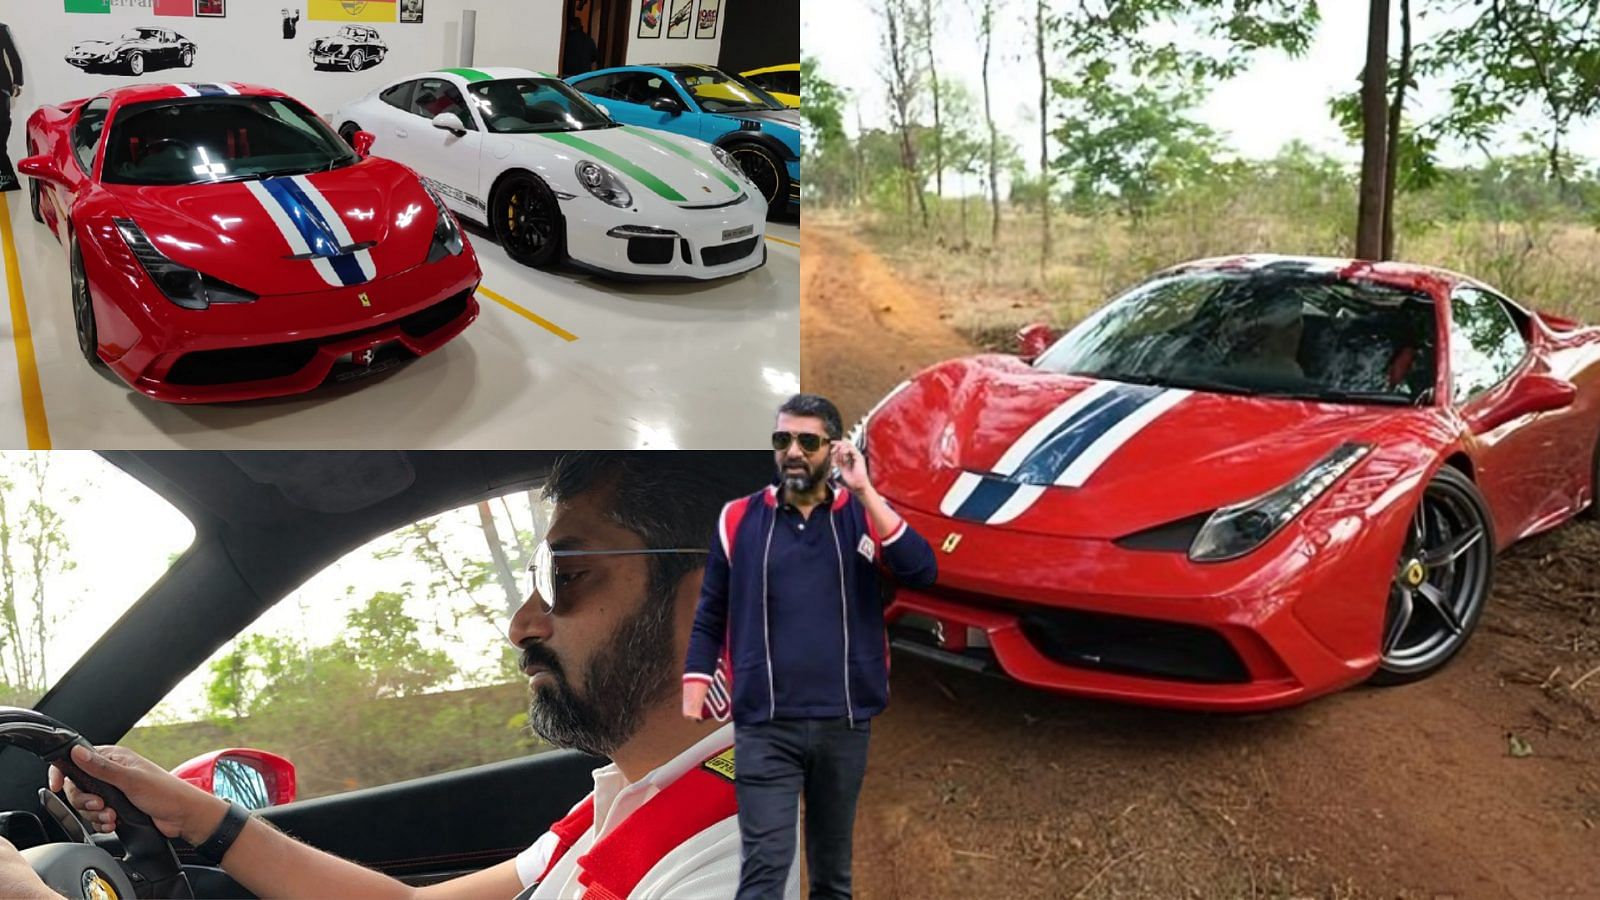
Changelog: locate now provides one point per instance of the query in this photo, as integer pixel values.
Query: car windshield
(531, 105)
(137, 34)
(350, 32)
(82, 540)
(219, 139)
(1282, 330)
(717, 91)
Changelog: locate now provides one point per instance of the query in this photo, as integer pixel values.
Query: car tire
(135, 63)
(347, 131)
(1460, 574)
(83, 310)
(766, 170)
(188, 57)
(358, 61)
(527, 219)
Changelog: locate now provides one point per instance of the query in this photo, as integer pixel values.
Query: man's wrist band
(216, 846)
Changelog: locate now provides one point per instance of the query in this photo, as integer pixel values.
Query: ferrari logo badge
(96, 887)
(1415, 573)
(721, 764)
(951, 542)
(364, 357)
(365, 300)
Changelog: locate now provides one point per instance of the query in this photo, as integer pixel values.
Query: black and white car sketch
(137, 50)
(352, 47)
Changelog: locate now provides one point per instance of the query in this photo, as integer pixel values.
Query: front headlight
(446, 233)
(1234, 531)
(604, 184)
(179, 283)
(726, 159)
(109, 56)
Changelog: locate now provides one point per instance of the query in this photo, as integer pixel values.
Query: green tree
(34, 551)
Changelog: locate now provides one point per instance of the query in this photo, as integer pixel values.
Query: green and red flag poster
(89, 6)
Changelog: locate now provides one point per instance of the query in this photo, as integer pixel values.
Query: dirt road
(981, 787)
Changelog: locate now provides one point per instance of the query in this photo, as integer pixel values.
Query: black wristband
(216, 846)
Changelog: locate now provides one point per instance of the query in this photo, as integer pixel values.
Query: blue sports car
(706, 103)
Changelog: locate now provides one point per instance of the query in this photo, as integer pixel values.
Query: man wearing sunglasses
(791, 603)
(602, 637)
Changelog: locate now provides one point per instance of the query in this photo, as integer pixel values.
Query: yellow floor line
(782, 241)
(538, 320)
(38, 427)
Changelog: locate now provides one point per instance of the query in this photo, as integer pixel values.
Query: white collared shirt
(706, 865)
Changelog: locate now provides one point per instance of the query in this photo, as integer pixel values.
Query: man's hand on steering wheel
(178, 808)
(17, 878)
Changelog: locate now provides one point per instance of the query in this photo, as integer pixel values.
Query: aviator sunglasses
(809, 442)
(543, 568)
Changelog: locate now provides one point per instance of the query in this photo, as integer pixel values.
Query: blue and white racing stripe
(313, 229)
(208, 90)
(1063, 449)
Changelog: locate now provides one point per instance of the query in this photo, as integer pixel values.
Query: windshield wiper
(1338, 396)
(1196, 384)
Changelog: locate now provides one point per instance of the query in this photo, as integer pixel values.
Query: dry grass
(988, 292)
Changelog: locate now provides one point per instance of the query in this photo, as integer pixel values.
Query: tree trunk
(1391, 167)
(1374, 119)
(933, 82)
(900, 88)
(994, 136)
(1044, 137)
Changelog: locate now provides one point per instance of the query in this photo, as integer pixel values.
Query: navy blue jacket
(730, 623)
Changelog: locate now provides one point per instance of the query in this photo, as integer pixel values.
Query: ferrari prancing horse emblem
(952, 541)
(365, 300)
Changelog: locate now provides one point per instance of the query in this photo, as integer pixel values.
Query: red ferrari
(1242, 484)
(224, 244)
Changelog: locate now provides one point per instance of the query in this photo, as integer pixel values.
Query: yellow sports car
(782, 82)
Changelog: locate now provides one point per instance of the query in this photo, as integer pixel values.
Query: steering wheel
(150, 867)
(159, 144)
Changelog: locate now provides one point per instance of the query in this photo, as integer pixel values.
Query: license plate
(734, 234)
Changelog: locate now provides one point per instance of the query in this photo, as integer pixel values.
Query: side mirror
(449, 121)
(1034, 339)
(41, 167)
(1531, 394)
(363, 141)
(255, 778)
(666, 105)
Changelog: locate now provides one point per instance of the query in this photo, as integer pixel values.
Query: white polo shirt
(706, 865)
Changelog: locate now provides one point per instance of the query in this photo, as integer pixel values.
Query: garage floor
(556, 360)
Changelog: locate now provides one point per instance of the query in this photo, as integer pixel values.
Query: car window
(219, 138)
(640, 87)
(392, 663)
(1485, 343)
(598, 86)
(787, 82)
(435, 96)
(399, 96)
(529, 105)
(86, 134)
(716, 91)
(71, 562)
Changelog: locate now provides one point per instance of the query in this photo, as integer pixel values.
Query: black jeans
(775, 761)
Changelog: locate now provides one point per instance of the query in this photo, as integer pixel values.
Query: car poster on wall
(350, 49)
(215, 9)
(678, 25)
(705, 25)
(134, 52)
(411, 12)
(355, 10)
(650, 18)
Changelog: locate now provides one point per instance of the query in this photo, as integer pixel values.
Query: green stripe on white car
(684, 152)
(469, 74)
(627, 166)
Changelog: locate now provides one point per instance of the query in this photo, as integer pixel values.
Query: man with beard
(792, 603)
(602, 639)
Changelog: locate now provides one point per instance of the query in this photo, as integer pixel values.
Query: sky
(123, 535)
(1277, 99)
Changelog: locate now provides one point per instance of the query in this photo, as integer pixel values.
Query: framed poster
(650, 19)
(411, 12)
(214, 8)
(705, 24)
(678, 25)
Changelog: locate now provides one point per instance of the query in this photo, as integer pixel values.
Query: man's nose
(529, 622)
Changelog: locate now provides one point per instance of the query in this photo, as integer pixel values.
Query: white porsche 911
(552, 175)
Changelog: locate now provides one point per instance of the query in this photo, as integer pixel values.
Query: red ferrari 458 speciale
(225, 244)
(1244, 483)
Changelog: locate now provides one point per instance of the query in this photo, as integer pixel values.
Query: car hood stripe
(686, 153)
(628, 167)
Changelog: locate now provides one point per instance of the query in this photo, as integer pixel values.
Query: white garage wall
(248, 46)
(674, 50)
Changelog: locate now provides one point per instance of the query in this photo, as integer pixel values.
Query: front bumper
(668, 243)
(287, 344)
(1299, 618)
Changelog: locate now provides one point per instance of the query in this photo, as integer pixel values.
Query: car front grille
(1144, 647)
(650, 251)
(727, 253)
(238, 365)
